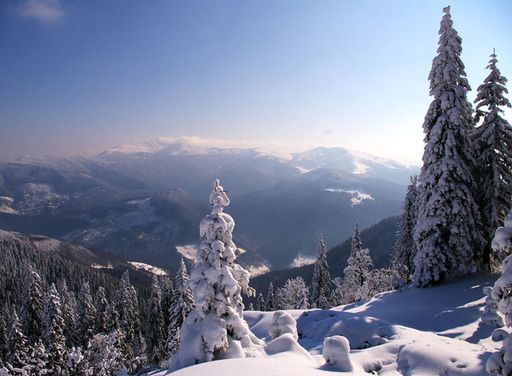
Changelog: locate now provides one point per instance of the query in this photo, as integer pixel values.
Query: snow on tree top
(218, 198)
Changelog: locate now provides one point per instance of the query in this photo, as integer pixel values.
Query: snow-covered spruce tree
(155, 337)
(86, 315)
(53, 332)
(261, 303)
(167, 290)
(295, 294)
(68, 304)
(101, 306)
(182, 304)
(500, 363)
(4, 315)
(32, 305)
(270, 301)
(492, 141)
(405, 248)
(357, 272)
(129, 320)
(17, 350)
(215, 328)
(113, 322)
(447, 232)
(321, 286)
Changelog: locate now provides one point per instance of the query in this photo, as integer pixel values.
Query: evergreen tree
(166, 287)
(261, 303)
(493, 148)
(32, 305)
(129, 316)
(217, 283)
(53, 332)
(357, 271)
(321, 288)
(270, 303)
(101, 305)
(18, 350)
(447, 231)
(4, 342)
(405, 248)
(68, 303)
(86, 315)
(155, 331)
(113, 322)
(182, 304)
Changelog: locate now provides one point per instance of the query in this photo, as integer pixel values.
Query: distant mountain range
(142, 201)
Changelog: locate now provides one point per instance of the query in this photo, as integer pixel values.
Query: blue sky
(79, 76)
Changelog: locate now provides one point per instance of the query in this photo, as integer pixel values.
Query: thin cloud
(44, 11)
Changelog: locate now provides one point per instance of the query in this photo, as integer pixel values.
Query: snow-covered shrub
(500, 363)
(491, 316)
(215, 327)
(283, 323)
(336, 352)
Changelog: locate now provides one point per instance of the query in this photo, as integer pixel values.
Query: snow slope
(421, 332)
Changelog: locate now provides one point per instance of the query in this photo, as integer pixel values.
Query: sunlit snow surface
(421, 332)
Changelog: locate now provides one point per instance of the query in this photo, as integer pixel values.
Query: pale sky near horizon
(77, 77)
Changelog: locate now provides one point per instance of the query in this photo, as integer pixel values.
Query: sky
(79, 76)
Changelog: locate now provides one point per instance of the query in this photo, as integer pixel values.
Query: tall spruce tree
(68, 303)
(32, 305)
(321, 287)
(53, 332)
(86, 315)
(182, 304)
(101, 307)
(167, 289)
(262, 306)
(270, 301)
(18, 349)
(492, 141)
(129, 318)
(405, 247)
(447, 231)
(155, 339)
(357, 272)
(217, 283)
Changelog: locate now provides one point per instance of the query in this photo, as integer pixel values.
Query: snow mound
(336, 352)
(286, 343)
(283, 323)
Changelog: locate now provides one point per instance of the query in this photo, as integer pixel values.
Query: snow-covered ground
(421, 332)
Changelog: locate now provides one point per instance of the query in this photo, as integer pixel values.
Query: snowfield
(423, 332)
